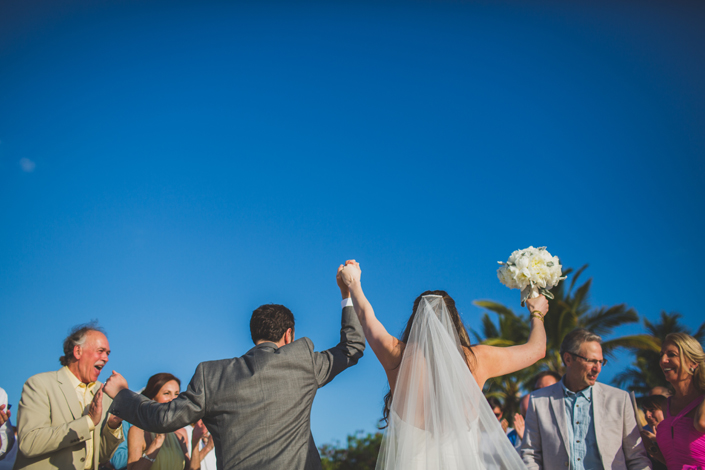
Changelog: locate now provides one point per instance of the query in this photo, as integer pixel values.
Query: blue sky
(166, 167)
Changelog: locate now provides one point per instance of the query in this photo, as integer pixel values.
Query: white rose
(522, 263)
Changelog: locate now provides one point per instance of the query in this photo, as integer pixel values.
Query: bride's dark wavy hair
(459, 328)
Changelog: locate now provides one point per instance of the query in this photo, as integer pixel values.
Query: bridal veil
(439, 418)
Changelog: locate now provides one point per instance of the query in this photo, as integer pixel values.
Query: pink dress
(680, 443)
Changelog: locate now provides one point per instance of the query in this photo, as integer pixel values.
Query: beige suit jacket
(545, 445)
(51, 429)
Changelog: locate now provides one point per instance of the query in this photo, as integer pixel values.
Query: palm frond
(630, 379)
(632, 342)
(495, 307)
(605, 319)
(500, 342)
(478, 338)
(700, 333)
(575, 276)
(650, 326)
(579, 300)
(489, 328)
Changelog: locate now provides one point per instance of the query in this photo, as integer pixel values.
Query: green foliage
(360, 453)
(513, 329)
(569, 309)
(645, 372)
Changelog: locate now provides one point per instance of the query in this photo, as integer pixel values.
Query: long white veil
(438, 417)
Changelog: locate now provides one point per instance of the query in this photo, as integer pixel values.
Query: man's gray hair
(77, 337)
(573, 340)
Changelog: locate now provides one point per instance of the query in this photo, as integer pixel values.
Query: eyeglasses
(594, 362)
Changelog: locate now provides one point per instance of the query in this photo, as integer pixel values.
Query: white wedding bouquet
(532, 270)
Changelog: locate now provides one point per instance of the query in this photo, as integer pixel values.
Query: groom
(257, 407)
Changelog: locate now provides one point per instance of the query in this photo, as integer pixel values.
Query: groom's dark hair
(269, 322)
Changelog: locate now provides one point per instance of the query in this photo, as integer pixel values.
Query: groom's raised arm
(331, 362)
(151, 416)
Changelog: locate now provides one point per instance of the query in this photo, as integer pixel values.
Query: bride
(437, 416)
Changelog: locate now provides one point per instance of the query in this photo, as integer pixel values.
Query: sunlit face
(653, 417)
(168, 392)
(91, 357)
(670, 362)
(581, 373)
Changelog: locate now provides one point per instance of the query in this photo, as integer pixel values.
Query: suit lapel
(69, 392)
(558, 408)
(97, 431)
(597, 403)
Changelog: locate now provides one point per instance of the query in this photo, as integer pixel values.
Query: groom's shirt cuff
(346, 303)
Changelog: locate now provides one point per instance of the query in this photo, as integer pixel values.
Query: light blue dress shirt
(584, 454)
(119, 458)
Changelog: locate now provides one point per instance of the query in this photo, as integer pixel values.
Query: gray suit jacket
(545, 444)
(258, 406)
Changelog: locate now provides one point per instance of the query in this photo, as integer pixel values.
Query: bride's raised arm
(386, 347)
(495, 361)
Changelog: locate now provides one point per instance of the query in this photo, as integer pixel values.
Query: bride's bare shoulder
(471, 357)
(476, 358)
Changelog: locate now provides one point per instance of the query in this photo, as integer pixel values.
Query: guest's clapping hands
(156, 444)
(4, 415)
(519, 425)
(200, 433)
(95, 410)
(539, 303)
(115, 384)
(350, 273)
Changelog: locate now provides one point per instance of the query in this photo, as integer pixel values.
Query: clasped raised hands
(350, 273)
(115, 384)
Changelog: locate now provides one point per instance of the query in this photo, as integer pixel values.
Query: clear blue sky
(166, 167)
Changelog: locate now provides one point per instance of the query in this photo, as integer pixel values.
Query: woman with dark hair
(653, 407)
(436, 414)
(679, 441)
(150, 451)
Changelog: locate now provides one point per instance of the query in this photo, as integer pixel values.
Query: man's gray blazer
(258, 406)
(545, 445)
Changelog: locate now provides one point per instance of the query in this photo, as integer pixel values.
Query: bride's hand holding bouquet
(538, 307)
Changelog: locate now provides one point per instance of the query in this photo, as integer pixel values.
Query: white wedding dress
(439, 418)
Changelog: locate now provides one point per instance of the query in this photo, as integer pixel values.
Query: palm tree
(513, 329)
(569, 309)
(645, 372)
